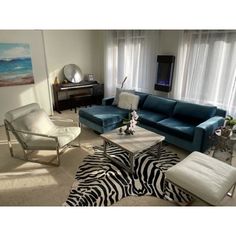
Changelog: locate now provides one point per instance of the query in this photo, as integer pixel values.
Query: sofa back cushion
(220, 112)
(193, 112)
(160, 105)
(142, 98)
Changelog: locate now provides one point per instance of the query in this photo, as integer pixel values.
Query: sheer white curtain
(206, 69)
(130, 53)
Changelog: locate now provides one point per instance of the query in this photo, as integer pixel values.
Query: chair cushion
(65, 135)
(177, 127)
(104, 115)
(21, 111)
(160, 105)
(150, 118)
(128, 101)
(204, 176)
(193, 112)
(36, 122)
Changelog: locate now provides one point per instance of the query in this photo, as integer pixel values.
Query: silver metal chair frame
(28, 150)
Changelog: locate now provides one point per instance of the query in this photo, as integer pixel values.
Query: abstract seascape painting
(15, 64)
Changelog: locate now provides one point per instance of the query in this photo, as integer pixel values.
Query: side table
(223, 146)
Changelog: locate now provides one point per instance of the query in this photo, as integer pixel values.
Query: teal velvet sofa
(186, 125)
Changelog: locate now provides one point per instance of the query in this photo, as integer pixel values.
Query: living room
(97, 53)
(49, 58)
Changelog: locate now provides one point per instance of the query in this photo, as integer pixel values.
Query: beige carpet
(31, 184)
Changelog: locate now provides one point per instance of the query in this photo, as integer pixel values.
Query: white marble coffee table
(141, 142)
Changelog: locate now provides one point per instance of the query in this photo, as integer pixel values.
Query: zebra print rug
(100, 182)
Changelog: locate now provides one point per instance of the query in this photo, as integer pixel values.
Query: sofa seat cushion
(104, 115)
(159, 105)
(177, 127)
(150, 118)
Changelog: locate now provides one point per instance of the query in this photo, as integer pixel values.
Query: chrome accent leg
(128, 168)
(77, 144)
(155, 150)
(131, 159)
(78, 141)
(165, 188)
(58, 157)
(25, 154)
(9, 141)
(105, 148)
(28, 152)
(159, 146)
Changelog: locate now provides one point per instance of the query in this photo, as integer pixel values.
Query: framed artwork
(15, 64)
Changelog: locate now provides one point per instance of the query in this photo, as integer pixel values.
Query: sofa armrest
(205, 130)
(107, 101)
(212, 124)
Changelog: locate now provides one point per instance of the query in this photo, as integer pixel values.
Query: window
(131, 53)
(208, 71)
(130, 50)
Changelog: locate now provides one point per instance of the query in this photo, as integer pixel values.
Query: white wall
(15, 96)
(98, 45)
(80, 47)
(169, 40)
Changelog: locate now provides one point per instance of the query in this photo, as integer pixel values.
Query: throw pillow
(118, 91)
(128, 101)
